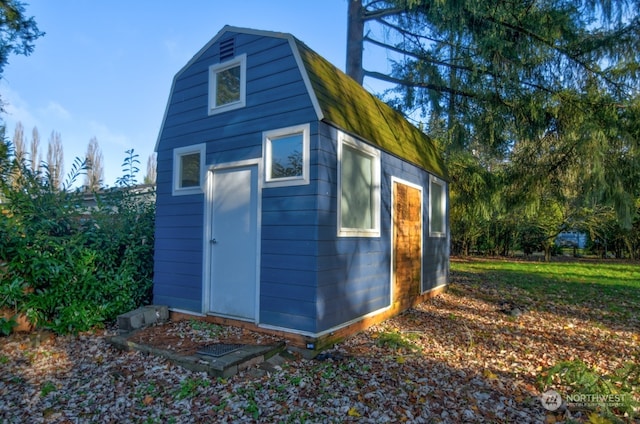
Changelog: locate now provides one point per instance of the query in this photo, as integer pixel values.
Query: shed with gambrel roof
(289, 199)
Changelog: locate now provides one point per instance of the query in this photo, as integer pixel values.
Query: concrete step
(224, 366)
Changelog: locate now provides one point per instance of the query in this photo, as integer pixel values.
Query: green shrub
(66, 267)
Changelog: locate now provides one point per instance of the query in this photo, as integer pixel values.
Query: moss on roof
(345, 104)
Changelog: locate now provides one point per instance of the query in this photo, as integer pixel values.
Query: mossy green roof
(345, 104)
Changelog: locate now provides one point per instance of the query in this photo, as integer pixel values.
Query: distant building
(572, 239)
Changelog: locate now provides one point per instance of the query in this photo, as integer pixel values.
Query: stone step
(224, 366)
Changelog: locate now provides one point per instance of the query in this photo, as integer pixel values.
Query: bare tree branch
(419, 84)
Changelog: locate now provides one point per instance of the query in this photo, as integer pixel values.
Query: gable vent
(227, 49)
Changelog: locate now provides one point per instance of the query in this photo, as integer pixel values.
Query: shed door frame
(392, 281)
(208, 228)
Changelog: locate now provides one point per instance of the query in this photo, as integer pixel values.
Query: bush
(66, 267)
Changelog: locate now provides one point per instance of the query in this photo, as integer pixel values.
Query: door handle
(213, 241)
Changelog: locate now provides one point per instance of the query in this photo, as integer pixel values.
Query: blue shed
(289, 199)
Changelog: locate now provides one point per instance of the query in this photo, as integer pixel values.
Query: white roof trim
(305, 78)
(228, 28)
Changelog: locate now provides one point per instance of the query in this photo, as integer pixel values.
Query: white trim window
(188, 169)
(227, 85)
(286, 155)
(437, 207)
(358, 189)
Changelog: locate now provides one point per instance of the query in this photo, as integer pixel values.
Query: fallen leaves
(454, 358)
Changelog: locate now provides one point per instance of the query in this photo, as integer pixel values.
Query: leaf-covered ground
(478, 353)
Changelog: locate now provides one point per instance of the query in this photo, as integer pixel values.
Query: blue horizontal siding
(257, 118)
(192, 233)
(282, 202)
(285, 305)
(436, 260)
(185, 269)
(292, 292)
(287, 320)
(290, 277)
(288, 218)
(180, 288)
(177, 290)
(290, 247)
(287, 262)
(191, 305)
(193, 257)
(280, 232)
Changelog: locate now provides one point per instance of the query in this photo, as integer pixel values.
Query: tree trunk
(355, 40)
(547, 253)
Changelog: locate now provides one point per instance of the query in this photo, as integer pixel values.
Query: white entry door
(234, 242)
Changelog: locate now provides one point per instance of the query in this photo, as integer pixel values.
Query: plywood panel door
(234, 274)
(407, 244)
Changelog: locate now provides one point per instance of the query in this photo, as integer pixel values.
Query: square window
(286, 153)
(188, 169)
(227, 85)
(437, 210)
(359, 186)
(286, 157)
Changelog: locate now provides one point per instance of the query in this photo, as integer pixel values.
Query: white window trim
(267, 136)
(177, 154)
(375, 154)
(441, 183)
(213, 71)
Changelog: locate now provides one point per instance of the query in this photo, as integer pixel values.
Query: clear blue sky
(104, 68)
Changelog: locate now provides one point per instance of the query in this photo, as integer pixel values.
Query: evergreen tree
(541, 94)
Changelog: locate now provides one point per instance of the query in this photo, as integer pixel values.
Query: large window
(188, 166)
(437, 208)
(227, 85)
(286, 153)
(359, 189)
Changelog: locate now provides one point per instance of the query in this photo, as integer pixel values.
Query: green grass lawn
(613, 288)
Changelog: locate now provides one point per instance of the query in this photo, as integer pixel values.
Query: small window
(188, 166)
(286, 153)
(437, 210)
(227, 83)
(359, 187)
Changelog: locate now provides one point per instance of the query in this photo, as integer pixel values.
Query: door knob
(214, 241)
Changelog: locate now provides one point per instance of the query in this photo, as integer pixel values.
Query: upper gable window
(437, 208)
(188, 166)
(286, 153)
(359, 189)
(227, 85)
